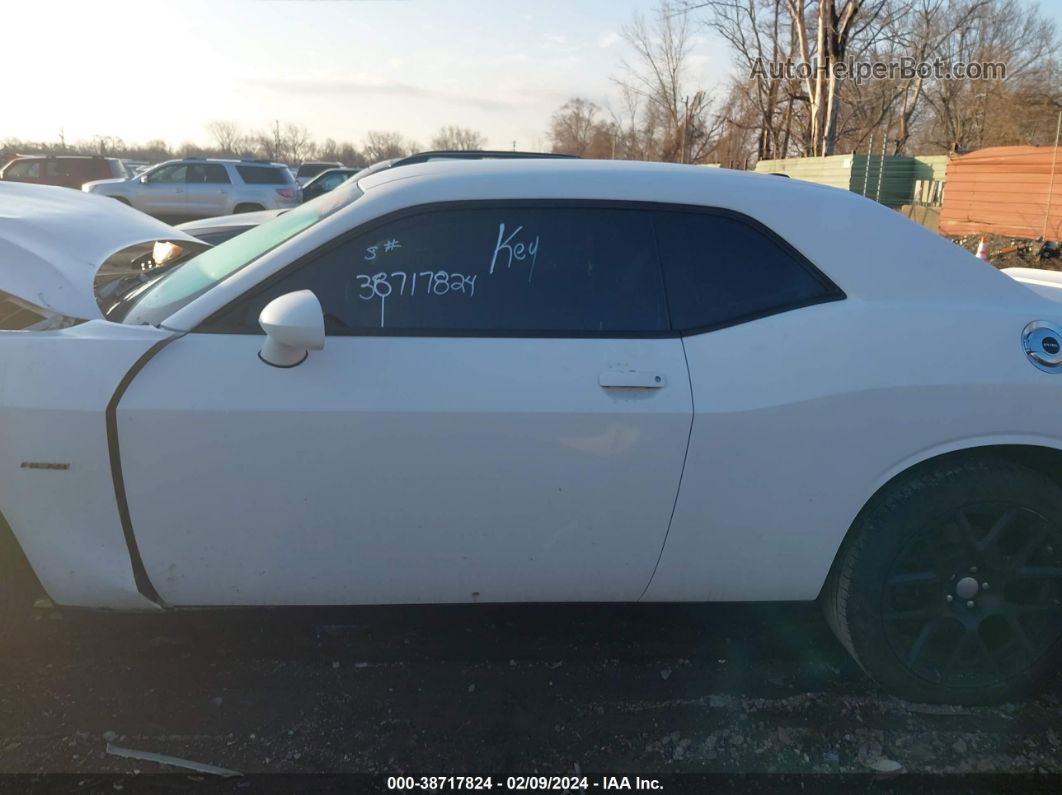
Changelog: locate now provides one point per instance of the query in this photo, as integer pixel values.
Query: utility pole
(685, 123)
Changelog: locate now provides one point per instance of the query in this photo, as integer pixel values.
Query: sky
(143, 70)
(146, 69)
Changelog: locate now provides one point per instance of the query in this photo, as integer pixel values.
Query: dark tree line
(284, 143)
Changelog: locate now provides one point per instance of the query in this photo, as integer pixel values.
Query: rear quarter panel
(800, 417)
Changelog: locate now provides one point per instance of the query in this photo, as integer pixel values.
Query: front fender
(56, 488)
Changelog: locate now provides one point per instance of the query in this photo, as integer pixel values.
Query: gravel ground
(1015, 252)
(487, 689)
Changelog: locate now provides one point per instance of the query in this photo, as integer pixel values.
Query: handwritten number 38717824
(431, 282)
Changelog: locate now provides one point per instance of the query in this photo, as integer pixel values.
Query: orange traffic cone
(982, 251)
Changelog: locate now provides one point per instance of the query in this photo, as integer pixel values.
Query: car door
(162, 192)
(500, 413)
(207, 187)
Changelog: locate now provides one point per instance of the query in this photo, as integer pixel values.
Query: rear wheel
(949, 586)
(248, 208)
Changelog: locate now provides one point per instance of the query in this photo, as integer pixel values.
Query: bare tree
(105, 145)
(760, 35)
(386, 145)
(575, 126)
(458, 139)
(227, 135)
(971, 113)
(298, 143)
(674, 119)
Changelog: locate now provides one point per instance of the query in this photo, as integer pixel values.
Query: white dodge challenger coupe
(542, 381)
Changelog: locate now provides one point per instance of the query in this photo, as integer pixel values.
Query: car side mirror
(294, 326)
(142, 180)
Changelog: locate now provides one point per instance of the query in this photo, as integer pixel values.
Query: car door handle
(638, 379)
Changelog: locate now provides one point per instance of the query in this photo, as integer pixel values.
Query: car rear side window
(207, 173)
(58, 169)
(498, 271)
(721, 269)
(264, 175)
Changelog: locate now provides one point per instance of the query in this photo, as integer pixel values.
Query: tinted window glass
(23, 169)
(720, 269)
(88, 169)
(313, 169)
(211, 173)
(91, 168)
(515, 270)
(53, 169)
(174, 174)
(264, 175)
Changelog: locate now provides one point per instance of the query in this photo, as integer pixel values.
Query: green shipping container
(889, 180)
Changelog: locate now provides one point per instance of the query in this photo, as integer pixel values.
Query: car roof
(477, 154)
(51, 156)
(343, 170)
(505, 171)
(229, 160)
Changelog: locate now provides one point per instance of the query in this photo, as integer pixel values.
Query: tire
(948, 587)
(18, 587)
(248, 208)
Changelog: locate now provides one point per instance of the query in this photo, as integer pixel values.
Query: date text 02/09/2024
(523, 783)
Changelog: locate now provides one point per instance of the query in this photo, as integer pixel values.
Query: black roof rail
(256, 160)
(476, 154)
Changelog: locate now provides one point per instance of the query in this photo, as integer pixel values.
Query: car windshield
(152, 302)
(313, 169)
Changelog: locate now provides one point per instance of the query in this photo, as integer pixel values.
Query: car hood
(108, 181)
(53, 240)
(227, 221)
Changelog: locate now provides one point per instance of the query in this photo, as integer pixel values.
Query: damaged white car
(550, 380)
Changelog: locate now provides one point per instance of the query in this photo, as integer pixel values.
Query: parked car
(220, 229)
(309, 170)
(326, 181)
(135, 167)
(201, 187)
(68, 171)
(532, 381)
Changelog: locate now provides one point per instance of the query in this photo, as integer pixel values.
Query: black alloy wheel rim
(976, 598)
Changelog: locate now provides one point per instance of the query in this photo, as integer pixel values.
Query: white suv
(202, 187)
